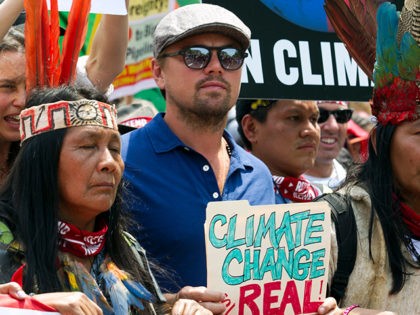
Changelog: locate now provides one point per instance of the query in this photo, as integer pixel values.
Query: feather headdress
(44, 66)
(395, 69)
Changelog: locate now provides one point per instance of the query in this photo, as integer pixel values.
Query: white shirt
(338, 175)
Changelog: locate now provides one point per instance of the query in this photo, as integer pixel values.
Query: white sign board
(270, 259)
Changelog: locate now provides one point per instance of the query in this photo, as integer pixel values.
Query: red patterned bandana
(295, 189)
(81, 243)
(411, 219)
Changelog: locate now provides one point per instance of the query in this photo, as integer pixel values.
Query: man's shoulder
(250, 160)
(132, 142)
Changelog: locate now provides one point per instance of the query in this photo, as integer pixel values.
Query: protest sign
(144, 15)
(270, 259)
(293, 54)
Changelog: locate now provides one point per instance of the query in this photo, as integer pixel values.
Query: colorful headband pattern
(65, 114)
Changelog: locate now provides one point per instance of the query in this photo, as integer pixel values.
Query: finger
(215, 308)
(89, 307)
(178, 308)
(327, 306)
(191, 307)
(13, 289)
(201, 294)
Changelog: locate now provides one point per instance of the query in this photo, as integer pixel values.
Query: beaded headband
(65, 114)
(396, 74)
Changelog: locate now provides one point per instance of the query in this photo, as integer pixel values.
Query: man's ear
(373, 139)
(249, 128)
(158, 74)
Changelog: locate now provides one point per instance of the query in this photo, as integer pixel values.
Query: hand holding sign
(211, 300)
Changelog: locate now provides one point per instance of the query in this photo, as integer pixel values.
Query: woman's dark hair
(244, 107)
(32, 193)
(377, 177)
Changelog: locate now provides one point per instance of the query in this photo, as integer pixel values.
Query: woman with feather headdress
(62, 226)
(385, 190)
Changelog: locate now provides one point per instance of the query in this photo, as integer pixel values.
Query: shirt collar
(164, 140)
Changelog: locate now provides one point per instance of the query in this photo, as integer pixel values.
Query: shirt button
(215, 195)
(186, 148)
(206, 168)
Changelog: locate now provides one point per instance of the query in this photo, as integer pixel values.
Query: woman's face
(12, 94)
(89, 171)
(405, 160)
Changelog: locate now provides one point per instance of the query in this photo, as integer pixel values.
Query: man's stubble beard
(208, 112)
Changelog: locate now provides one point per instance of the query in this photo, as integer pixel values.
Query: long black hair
(32, 193)
(377, 177)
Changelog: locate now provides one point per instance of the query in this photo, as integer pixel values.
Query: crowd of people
(82, 199)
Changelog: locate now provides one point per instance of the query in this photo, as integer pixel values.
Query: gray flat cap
(195, 19)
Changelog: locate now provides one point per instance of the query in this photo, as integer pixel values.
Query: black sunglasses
(198, 57)
(341, 115)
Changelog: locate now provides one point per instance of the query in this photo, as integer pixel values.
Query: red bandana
(295, 189)
(81, 243)
(411, 218)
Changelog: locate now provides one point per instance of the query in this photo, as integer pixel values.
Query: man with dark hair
(333, 119)
(284, 134)
(183, 159)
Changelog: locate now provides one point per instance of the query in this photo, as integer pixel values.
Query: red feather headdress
(394, 62)
(45, 66)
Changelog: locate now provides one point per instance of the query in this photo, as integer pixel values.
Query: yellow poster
(144, 15)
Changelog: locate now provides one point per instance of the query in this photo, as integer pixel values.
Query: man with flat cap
(183, 159)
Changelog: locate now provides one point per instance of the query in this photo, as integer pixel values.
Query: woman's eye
(314, 120)
(294, 118)
(7, 86)
(87, 146)
(115, 149)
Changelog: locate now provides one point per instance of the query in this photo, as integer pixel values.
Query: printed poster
(144, 15)
(270, 259)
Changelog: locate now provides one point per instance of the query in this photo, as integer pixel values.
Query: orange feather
(33, 44)
(354, 21)
(45, 43)
(73, 39)
(54, 65)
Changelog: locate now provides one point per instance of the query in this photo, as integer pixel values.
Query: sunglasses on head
(341, 115)
(198, 57)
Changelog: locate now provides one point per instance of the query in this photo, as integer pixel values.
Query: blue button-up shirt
(170, 185)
